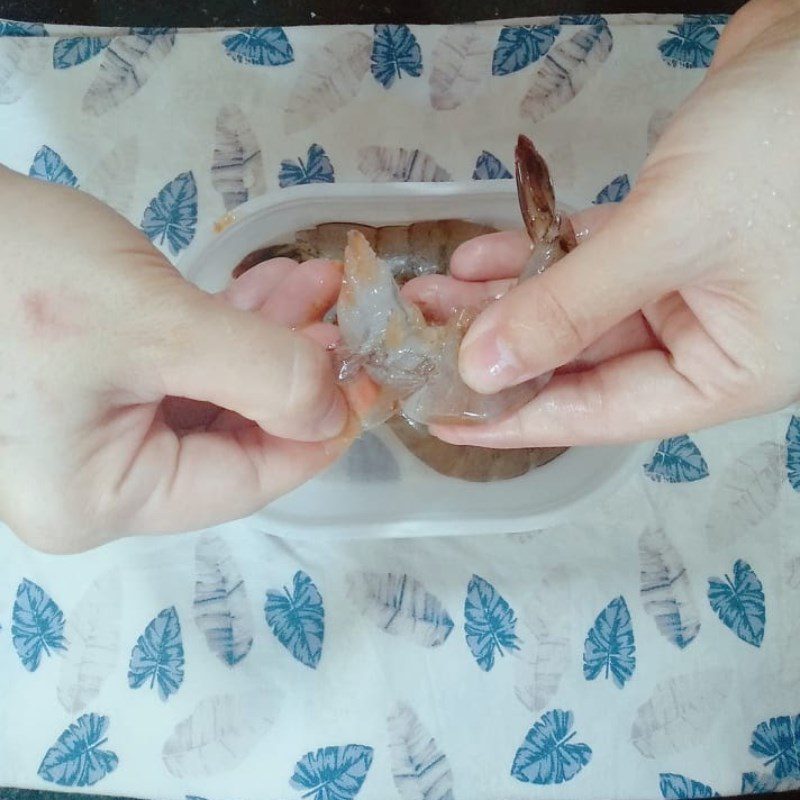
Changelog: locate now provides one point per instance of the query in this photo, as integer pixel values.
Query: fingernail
(488, 364)
(332, 424)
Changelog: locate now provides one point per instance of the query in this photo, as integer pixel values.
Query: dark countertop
(235, 13)
(244, 13)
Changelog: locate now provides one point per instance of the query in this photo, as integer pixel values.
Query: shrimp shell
(551, 233)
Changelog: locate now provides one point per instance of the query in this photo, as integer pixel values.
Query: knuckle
(736, 384)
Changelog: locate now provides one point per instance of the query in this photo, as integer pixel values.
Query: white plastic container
(388, 492)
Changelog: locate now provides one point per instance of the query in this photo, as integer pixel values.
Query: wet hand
(131, 401)
(680, 310)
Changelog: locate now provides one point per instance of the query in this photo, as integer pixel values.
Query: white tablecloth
(651, 647)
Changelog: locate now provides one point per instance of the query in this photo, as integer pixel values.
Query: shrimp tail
(537, 201)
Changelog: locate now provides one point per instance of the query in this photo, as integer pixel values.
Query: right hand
(680, 311)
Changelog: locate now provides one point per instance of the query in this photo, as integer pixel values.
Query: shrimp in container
(422, 248)
(412, 363)
(416, 361)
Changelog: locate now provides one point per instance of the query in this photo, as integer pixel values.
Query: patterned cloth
(648, 648)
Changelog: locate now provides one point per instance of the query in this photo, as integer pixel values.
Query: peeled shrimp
(416, 362)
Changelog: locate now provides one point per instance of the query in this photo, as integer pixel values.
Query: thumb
(235, 359)
(548, 320)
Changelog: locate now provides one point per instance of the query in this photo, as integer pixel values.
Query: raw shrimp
(468, 463)
(415, 362)
(422, 248)
(425, 248)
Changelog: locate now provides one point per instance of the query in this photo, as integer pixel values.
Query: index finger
(500, 256)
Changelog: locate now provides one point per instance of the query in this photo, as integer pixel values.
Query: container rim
(436, 198)
(224, 227)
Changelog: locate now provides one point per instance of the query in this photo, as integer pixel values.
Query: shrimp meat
(418, 361)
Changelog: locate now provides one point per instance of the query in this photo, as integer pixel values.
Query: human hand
(133, 402)
(680, 310)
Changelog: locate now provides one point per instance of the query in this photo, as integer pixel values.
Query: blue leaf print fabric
(394, 51)
(171, 215)
(260, 47)
(677, 460)
(76, 49)
(394, 643)
(317, 168)
(297, 619)
(566, 70)
(548, 755)
(764, 783)
(582, 19)
(221, 605)
(333, 773)
(739, 603)
(610, 649)
(614, 192)
(793, 453)
(401, 606)
(708, 19)
(37, 625)
(691, 45)
(49, 166)
(519, 46)
(677, 787)
(665, 589)
(777, 740)
(157, 657)
(126, 65)
(77, 759)
(419, 768)
(489, 167)
(11, 28)
(490, 623)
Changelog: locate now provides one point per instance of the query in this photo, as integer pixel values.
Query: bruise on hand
(48, 315)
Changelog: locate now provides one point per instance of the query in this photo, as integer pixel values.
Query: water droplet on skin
(766, 142)
(749, 223)
(582, 234)
(778, 347)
